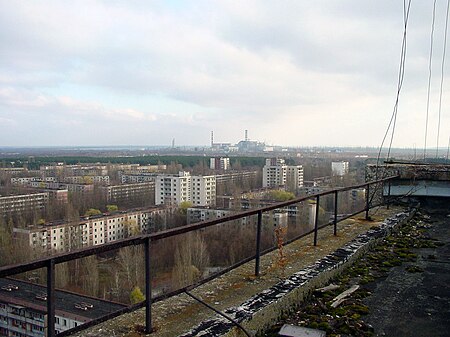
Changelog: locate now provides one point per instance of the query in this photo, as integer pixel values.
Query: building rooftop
(33, 296)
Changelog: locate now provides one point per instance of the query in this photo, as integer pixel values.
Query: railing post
(335, 211)
(258, 243)
(148, 289)
(316, 221)
(389, 194)
(51, 298)
(367, 201)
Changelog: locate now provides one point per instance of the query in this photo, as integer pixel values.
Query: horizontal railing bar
(179, 291)
(10, 270)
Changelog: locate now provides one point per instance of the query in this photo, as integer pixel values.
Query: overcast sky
(143, 72)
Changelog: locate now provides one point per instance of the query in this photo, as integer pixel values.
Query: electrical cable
(406, 10)
(393, 120)
(442, 78)
(429, 79)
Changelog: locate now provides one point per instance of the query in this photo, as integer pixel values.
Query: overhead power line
(401, 73)
(429, 78)
(442, 78)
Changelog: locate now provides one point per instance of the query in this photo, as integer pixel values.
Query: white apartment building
(175, 189)
(24, 181)
(294, 177)
(66, 236)
(339, 168)
(133, 178)
(276, 173)
(203, 190)
(220, 163)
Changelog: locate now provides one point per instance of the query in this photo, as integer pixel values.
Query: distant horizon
(140, 146)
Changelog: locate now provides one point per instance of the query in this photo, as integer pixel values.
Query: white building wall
(339, 168)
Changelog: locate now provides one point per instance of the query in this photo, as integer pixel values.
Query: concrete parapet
(264, 309)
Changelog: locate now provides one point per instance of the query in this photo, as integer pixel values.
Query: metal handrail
(146, 239)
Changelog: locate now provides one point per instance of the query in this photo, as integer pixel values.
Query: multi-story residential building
(219, 163)
(197, 214)
(61, 195)
(294, 177)
(274, 173)
(133, 178)
(277, 173)
(339, 168)
(26, 181)
(65, 236)
(15, 204)
(81, 189)
(125, 192)
(175, 189)
(98, 180)
(23, 309)
(240, 178)
(203, 189)
(12, 170)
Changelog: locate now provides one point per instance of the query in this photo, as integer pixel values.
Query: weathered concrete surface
(435, 172)
(263, 309)
(180, 314)
(416, 304)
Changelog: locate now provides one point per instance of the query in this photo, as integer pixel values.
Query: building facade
(277, 174)
(175, 189)
(23, 310)
(219, 163)
(93, 231)
(339, 168)
(16, 204)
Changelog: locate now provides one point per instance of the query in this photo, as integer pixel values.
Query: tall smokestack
(212, 138)
(246, 135)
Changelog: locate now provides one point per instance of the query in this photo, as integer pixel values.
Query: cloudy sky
(143, 72)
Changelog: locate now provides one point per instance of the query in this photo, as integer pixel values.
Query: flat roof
(65, 302)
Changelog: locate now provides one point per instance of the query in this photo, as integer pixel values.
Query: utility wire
(401, 72)
(429, 78)
(448, 147)
(442, 78)
(393, 120)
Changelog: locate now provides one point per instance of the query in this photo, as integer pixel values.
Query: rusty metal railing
(50, 262)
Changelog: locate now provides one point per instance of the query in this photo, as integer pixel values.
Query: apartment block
(235, 177)
(175, 189)
(219, 163)
(125, 192)
(26, 181)
(277, 174)
(133, 178)
(65, 236)
(97, 180)
(339, 168)
(294, 177)
(16, 204)
(23, 310)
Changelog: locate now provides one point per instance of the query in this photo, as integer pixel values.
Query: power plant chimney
(212, 138)
(246, 135)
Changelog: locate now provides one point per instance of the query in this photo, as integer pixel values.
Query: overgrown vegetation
(395, 250)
